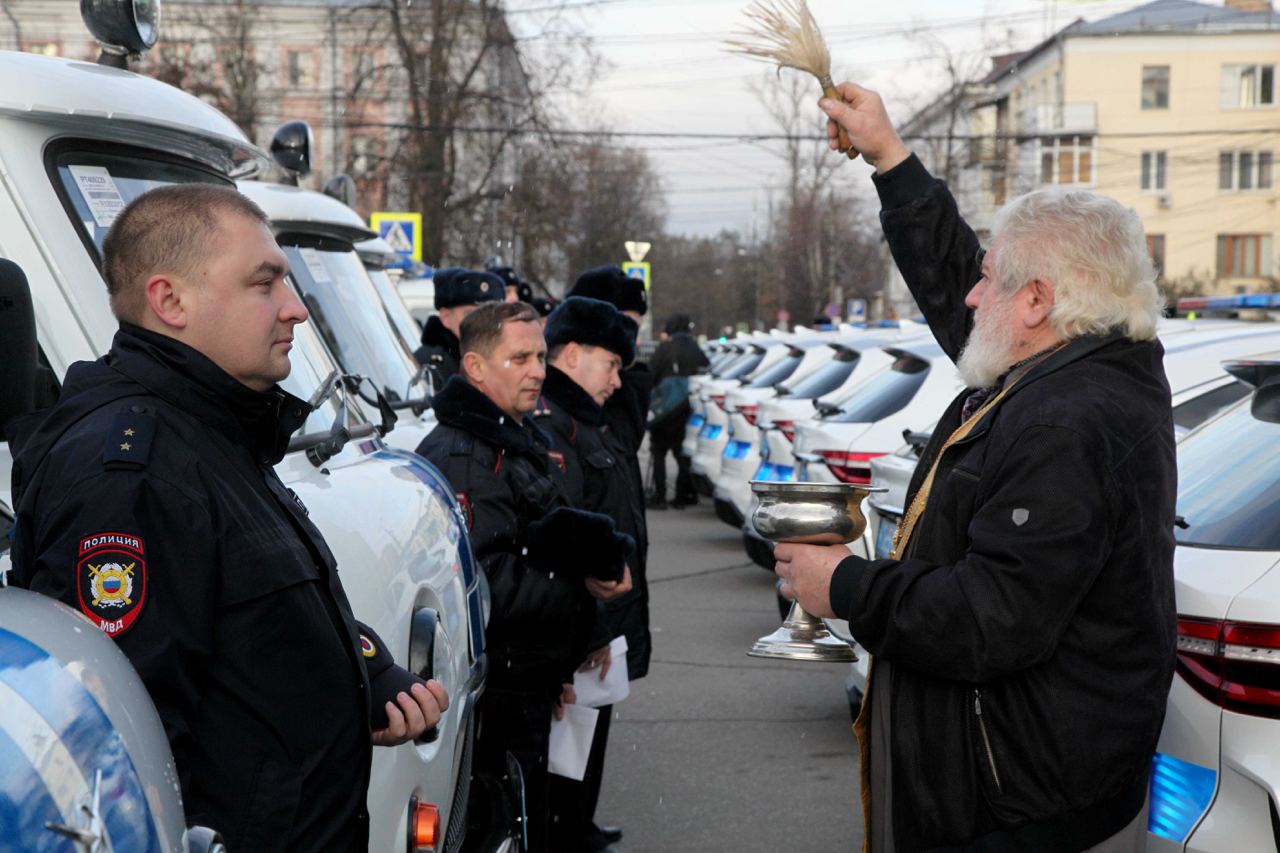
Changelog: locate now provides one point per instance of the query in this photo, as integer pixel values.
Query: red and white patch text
(111, 579)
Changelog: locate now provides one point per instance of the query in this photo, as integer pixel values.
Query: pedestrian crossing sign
(640, 270)
(403, 231)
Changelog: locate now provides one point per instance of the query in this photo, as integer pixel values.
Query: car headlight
(129, 26)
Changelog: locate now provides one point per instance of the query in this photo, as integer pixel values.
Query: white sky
(668, 72)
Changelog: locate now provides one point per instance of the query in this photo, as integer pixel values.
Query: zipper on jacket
(986, 740)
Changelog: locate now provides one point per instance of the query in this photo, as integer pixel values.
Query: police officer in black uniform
(458, 292)
(146, 500)
(544, 561)
(589, 342)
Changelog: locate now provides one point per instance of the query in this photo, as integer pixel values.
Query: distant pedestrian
(677, 358)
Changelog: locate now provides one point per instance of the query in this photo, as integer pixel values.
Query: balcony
(1075, 118)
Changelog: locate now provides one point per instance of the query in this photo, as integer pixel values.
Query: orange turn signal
(426, 827)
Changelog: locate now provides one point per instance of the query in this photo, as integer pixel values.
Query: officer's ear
(164, 296)
(473, 367)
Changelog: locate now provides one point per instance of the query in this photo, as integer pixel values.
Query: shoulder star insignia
(129, 431)
(126, 446)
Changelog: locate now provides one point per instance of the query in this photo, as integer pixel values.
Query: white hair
(1094, 252)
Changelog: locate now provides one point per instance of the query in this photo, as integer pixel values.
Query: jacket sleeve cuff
(844, 583)
(903, 184)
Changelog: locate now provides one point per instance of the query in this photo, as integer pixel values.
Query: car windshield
(778, 372)
(95, 186)
(1229, 484)
(744, 366)
(346, 310)
(827, 378)
(398, 315)
(886, 394)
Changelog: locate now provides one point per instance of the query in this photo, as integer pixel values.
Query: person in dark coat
(589, 342)
(677, 358)
(544, 560)
(146, 500)
(1024, 629)
(458, 292)
(626, 412)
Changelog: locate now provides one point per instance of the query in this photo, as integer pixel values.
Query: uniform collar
(436, 334)
(560, 389)
(459, 404)
(186, 378)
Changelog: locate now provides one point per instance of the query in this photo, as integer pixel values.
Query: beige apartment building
(1173, 108)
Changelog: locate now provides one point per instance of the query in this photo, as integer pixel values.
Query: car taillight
(749, 412)
(718, 399)
(788, 429)
(850, 467)
(1235, 665)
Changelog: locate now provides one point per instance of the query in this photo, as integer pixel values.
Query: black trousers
(664, 438)
(520, 723)
(573, 803)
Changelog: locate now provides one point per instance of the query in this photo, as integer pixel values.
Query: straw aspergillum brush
(785, 33)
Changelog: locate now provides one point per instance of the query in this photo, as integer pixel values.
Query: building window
(366, 152)
(1246, 170)
(365, 73)
(1155, 248)
(1066, 160)
(1154, 170)
(44, 48)
(1244, 255)
(300, 68)
(1155, 87)
(1248, 86)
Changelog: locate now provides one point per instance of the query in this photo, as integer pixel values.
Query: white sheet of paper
(571, 741)
(594, 693)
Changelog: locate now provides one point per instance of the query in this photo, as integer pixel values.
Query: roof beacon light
(124, 28)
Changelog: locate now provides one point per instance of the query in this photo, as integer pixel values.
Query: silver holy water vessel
(810, 514)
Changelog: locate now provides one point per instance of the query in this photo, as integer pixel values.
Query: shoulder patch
(464, 506)
(367, 647)
(128, 442)
(111, 580)
(557, 457)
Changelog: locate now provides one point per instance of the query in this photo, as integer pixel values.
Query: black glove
(579, 543)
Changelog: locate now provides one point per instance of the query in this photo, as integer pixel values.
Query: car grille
(457, 830)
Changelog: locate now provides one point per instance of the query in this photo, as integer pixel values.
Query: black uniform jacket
(147, 501)
(1031, 625)
(540, 622)
(679, 355)
(597, 467)
(440, 353)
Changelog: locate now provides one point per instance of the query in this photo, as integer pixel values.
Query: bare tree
(209, 51)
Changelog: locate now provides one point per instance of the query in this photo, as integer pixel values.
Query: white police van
(80, 140)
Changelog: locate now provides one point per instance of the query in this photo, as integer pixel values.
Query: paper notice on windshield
(571, 741)
(596, 692)
(99, 192)
(315, 266)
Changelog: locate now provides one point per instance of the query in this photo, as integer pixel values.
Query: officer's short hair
(482, 328)
(165, 230)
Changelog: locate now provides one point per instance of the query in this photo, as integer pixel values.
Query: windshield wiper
(320, 447)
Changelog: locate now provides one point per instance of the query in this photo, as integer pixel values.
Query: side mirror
(1266, 402)
(123, 29)
(291, 147)
(18, 348)
(343, 188)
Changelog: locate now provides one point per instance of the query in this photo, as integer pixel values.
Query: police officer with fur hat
(589, 342)
(458, 292)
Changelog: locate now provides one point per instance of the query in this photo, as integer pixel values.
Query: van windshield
(347, 312)
(96, 185)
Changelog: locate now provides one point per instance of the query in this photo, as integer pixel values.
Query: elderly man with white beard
(1022, 632)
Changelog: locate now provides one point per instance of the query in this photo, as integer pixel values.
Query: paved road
(715, 751)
